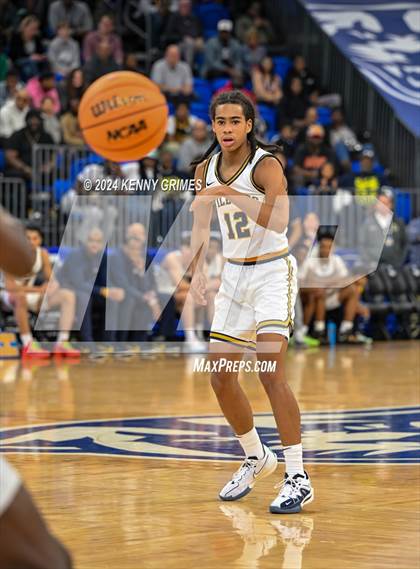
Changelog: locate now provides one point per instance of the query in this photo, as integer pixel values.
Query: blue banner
(382, 38)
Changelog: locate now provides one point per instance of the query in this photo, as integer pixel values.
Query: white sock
(63, 337)
(251, 444)
(304, 330)
(26, 339)
(190, 336)
(293, 459)
(319, 326)
(346, 326)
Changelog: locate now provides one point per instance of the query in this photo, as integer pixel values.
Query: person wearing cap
(19, 146)
(173, 76)
(43, 86)
(382, 223)
(223, 54)
(311, 156)
(366, 183)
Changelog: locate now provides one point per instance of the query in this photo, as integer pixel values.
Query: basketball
(123, 116)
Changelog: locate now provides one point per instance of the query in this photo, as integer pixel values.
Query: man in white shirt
(13, 113)
(324, 281)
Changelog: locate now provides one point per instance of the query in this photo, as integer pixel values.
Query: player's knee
(271, 379)
(221, 381)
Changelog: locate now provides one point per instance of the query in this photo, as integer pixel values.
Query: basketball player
(257, 294)
(25, 541)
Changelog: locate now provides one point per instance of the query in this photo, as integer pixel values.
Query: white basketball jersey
(242, 237)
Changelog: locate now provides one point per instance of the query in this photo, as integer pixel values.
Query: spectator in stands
(84, 271)
(184, 28)
(266, 83)
(76, 14)
(140, 307)
(70, 127)
(180, 124)
(63, 51)
(19, 146)
(43, 86)
(10, 86)
(311, 117)
(105, 31)
(193, 146)
(13, 114)
(101, 63)
(8, 16)
(300, 70)
(383, 227)
(253, 19)
(72, 87)
(237, 83)
(342, 138)
(367, 183)
(38, 290)
(311, 156)
(327, 184)
(131, 63)
(173, 76)
(293, 106)
(26, 49)
(413, 235)
(51, 122)
(324, 281)
(222, 54)
(253, 51)
(287, 140)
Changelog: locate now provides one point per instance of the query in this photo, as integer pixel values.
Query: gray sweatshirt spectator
(63, 51)
(223, 54)
(75, 13)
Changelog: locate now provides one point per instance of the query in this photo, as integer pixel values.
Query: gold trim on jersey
(281, 323)
(206, 169)
(235, 176)
(249, 344)
(260, 159)
(261, 258)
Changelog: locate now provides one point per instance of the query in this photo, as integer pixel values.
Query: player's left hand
(208, 195)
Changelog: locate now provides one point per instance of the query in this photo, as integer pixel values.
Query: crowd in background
(52, 51)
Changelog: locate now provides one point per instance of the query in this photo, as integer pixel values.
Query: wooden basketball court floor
(142, 492)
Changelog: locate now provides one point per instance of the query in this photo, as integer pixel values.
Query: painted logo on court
(386, 435)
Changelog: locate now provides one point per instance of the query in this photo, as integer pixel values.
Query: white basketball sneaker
(245, 477)
(295, 492)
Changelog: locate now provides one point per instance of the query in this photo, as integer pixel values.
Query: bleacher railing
(365, 107)
(13, 196)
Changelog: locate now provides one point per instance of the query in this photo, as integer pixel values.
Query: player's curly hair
(236, 97)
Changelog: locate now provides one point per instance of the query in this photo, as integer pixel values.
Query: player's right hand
(198, 288)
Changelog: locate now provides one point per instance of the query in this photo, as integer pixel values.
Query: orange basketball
(123, 116)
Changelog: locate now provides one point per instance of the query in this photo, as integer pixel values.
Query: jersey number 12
(237, 225)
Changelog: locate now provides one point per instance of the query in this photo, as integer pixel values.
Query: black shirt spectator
(19, 146)
(26, 49)
(311, 156)
(182, 24)
(300, 70)
(366, 183)
(293, 106)
(101, 63)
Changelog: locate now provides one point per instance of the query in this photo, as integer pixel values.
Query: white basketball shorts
(254, 299)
